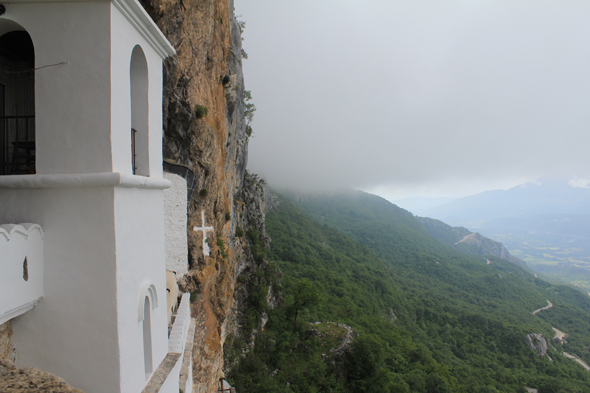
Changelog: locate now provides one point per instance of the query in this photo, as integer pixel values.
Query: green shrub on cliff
(201, 111)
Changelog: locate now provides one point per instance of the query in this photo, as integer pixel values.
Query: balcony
(21, 263)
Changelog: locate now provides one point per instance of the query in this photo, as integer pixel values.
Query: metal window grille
(18, 145)
(133, 153)
(17, 104)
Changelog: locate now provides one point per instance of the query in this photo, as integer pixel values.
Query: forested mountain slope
(428, 318)
(466, 241)
(544, 223)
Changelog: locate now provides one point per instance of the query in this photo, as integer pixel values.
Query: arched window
(17, 102)
(147, 301)
(138, 75)
(147, 338)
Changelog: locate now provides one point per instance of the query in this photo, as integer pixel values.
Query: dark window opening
(133, 152)
(17, 104)
(25, 270)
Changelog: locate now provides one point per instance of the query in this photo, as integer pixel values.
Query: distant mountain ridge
(530, 199)
(547, 224)
(466, 241)
(421, 203)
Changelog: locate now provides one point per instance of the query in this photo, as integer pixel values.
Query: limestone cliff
(258, 281)
(205, 132)
(537, 343)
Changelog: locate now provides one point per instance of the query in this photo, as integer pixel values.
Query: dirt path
(465, 238)
(547, 307)
(576, 359)
(558, 334)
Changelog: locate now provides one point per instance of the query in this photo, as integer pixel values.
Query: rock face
(537, 343)
(6, 347)
(481, 245)
(205, 132)
(252, 271)
(30, 380)
(346, 341)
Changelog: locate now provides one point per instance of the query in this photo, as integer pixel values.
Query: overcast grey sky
(418, 98)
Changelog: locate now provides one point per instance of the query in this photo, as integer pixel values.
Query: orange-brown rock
(205, 131)
(6, 347)
(30, 380)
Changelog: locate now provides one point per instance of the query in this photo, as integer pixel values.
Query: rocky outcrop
(205, 132)
(254, 273)
(478, 244)
(466, 241)
(30, 380)
(6, 347)
(345, 343)
(537, 343)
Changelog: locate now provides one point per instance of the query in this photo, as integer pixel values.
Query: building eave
(140, 19)
(137, 16)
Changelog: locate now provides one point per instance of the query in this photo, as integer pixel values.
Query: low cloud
(579, 183)
(417, 95)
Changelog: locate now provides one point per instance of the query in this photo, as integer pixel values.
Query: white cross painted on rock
(204, 229)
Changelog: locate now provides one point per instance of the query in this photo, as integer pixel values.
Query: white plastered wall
(139, 214)
(124, 39)
(72, 33)
(175, 208)
(20, 287)
(80, 330)
(139, 218)
(72, 332)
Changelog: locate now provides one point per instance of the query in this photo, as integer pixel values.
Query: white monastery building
(82, 230)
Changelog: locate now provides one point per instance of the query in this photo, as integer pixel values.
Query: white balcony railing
(175, 372)
(21, 264)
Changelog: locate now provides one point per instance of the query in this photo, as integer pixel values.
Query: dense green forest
(427, 318)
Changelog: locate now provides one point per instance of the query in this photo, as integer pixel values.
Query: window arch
(17, 100)
(139, 85)
(148, 301)
(148, 290)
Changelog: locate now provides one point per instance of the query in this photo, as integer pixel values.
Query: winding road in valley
(561, 335)
(547, 307)
(576, 359)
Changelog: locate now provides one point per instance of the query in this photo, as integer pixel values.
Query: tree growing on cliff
(249, 109)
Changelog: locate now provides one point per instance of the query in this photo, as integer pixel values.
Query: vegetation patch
(221, 246)
(201, 111)
(459, 327)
